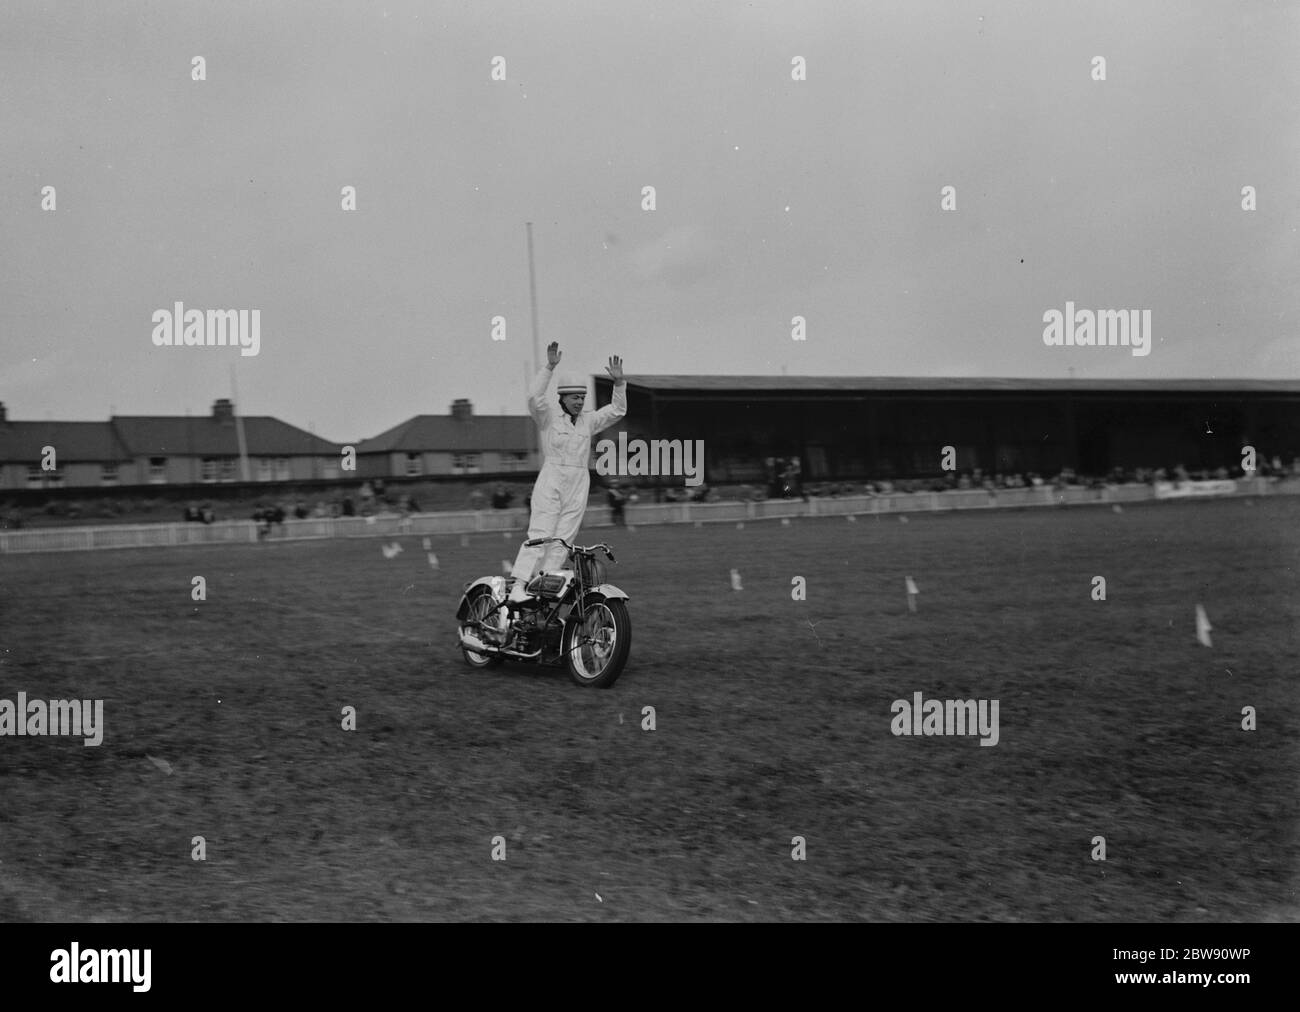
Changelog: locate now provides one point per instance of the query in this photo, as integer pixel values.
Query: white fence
(71, 539)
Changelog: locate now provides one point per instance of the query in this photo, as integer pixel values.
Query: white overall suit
(560, 495)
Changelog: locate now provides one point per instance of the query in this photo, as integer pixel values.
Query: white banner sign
(1182, 489)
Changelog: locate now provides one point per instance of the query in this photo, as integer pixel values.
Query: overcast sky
(775, 197)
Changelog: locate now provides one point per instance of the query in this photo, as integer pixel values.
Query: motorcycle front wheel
(482, 608)
(597, 641)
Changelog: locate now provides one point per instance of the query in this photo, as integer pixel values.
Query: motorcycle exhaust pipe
(472, 642)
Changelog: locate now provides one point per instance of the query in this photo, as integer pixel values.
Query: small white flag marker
(428, 543)
(464, 541)
(735, 580)
(1203, 627)
(433, 561)
(852, 519)
(785, 521)
(902, 520)
(911, 593)
(162, 764)
(1117, 508)
(740, 526)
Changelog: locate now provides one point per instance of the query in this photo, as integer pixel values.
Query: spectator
(502, 498)
(349, 510)
(300, 511)
(792, 480)
(617, 500)
(476, 499)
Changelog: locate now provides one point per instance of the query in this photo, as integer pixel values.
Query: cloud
(681, 257)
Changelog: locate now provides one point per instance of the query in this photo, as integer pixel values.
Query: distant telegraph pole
(532, 302)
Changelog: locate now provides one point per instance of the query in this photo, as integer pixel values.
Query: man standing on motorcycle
(559, 498)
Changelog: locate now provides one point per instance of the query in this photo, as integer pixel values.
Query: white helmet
(571, 383)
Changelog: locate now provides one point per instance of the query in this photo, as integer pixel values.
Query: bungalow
(458, 443)
(161, 450)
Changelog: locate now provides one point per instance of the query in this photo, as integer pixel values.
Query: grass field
(773, 721)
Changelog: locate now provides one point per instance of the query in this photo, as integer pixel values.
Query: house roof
(160, 435)
(422, 433)
(942, 384)
(72, 442)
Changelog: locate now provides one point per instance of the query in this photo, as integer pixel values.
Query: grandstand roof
(941, 384)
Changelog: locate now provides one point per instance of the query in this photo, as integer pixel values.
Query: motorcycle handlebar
(534, 542)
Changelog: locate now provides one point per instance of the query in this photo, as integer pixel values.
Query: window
(466, 463)
(514, 461)
(157, 470)
(263, 468)
(282, 469)
(413, 465)
(208, 470)
(329, 467)
(37, 478)
(108, 474)
(228, 469)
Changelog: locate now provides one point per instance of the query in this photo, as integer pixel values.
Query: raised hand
(553, 354)
(615, 369)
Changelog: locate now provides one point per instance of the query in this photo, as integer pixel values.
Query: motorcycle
(572, 618)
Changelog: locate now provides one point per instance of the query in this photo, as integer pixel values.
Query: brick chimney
(223, 411)
(461, 409)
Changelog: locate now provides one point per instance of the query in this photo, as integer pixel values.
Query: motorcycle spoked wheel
(482, 608)
(597, 644)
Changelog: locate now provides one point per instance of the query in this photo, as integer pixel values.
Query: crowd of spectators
(784, 480)
(1272, 468)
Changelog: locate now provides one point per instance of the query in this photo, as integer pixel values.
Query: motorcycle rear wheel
(596, 646)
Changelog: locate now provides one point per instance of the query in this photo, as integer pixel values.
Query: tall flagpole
(239, 427)
(532, 302)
